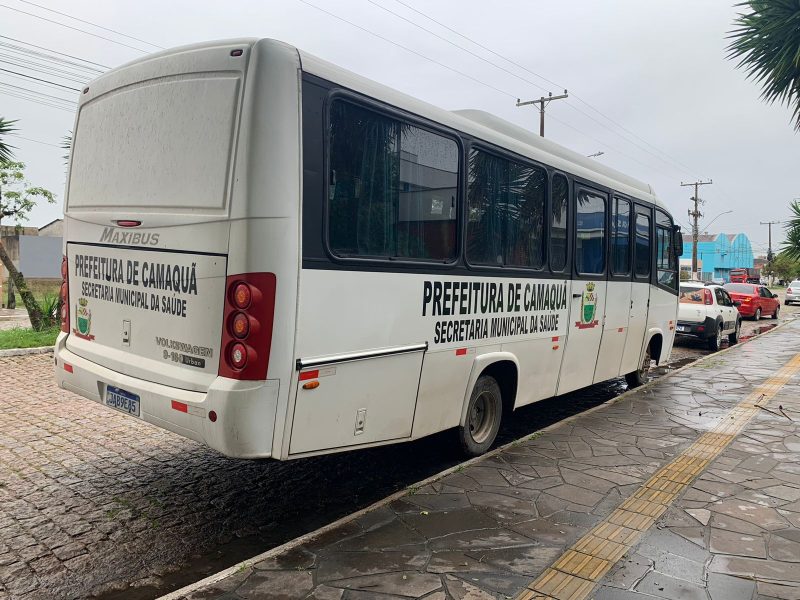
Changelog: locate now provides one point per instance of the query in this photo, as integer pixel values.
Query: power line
(407, 49)
(22, 137)
(105, 67)
(29, 99)
(449, 68)
(50, 97)
(73, 28)
(11, 54)
(44, 70)
(545, 79)
(130, 37)
(39, 79)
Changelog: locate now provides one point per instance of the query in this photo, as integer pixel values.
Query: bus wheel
(641, 375)
(484, 413)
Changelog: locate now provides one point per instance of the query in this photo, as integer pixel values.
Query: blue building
(717, 254)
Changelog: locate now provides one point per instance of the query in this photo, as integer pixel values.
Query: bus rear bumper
(245, 410)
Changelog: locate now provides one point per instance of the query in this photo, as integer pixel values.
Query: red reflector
(236, 52)
(620, 330)
(554, 339)
(212, 416)
(461, 351)
(68, 368)
(180, 406)
(128, 223)
(701, 328)
(309, 375)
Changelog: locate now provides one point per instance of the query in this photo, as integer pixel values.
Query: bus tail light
(247, 326)
(707, 299)
(64, 296)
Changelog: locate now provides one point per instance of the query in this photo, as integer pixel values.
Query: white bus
(278, 258)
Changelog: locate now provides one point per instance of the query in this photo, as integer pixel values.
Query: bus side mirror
(678, 240)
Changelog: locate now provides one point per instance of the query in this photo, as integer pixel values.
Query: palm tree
(766, 41)
(6, 150)
(791, 246)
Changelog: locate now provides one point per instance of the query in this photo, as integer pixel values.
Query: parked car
(792, 292)
(707, 312)
(756, 300)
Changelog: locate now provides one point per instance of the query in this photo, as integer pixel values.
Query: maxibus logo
(112, 235)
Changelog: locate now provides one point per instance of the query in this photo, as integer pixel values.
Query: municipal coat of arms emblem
(588, 307)
(83, 320)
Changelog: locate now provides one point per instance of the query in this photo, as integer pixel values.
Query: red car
(756, 300)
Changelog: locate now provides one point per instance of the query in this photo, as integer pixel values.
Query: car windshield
(740, 288)
(691, 295)
(795, 283)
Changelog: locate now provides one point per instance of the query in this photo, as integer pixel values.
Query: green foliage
(6, 127)
(17, 196)
(27, 338)
(767, 43)
(785, 266)
(791, 246)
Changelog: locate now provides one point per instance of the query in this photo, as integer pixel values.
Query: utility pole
(695, 214)
(769, 224)
(542, 102)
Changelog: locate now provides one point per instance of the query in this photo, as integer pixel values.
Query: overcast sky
(657, 69)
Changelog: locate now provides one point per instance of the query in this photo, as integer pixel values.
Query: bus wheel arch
(656, 344)
(490, 395)
(651, 351)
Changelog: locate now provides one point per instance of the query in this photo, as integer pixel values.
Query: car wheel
(757, 316)
(484, 413)
(733, 338)
(715, 341)
(641, 375)
(775, 314)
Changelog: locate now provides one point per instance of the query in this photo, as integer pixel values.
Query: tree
(6, 151)
(785, 267)
(767, 43)
(17, 199)
(791, 246)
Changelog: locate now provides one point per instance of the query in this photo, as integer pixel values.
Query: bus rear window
(155, 146)
(392, 187)
(691, 295)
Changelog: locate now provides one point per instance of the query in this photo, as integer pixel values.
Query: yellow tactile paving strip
(575, 573)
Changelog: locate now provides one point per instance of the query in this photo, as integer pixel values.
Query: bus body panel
(637, 326)
(615, 331)
(587, 306)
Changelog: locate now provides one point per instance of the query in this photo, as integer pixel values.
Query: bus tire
(641, 375)
(484, 413)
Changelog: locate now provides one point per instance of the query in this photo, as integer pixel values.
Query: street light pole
(542, 102)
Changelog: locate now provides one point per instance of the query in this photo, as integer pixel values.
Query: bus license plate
(122, 400)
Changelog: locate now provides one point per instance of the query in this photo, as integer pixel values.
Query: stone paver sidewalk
(491, 528)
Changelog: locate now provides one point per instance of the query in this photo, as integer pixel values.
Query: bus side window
(642, 259)
(590, 234)
(506, 203)
(666, 259)
(392, 187)
(558, 223)
(620, 237)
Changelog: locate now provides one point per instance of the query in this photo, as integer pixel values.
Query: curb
(247, 563)
(26, 351)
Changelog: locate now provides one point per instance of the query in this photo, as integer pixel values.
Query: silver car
(792, 292)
